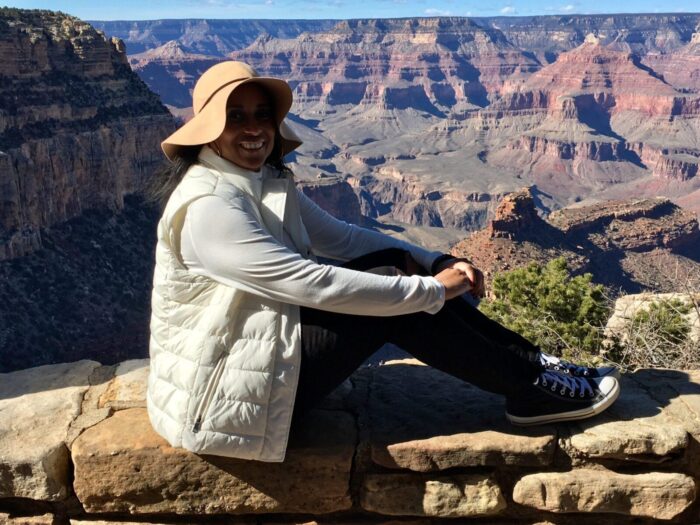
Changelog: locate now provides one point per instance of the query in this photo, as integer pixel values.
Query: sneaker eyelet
(581, 394)
(571, 394)
(544, 382)
(554, 388)
(562, 391)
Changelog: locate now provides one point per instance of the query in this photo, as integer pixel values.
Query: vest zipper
(209, 393)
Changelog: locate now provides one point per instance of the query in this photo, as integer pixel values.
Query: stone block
(122, 465)
(44, 519)
(37, 407)
(677, 392)
(126, 521)
(657, 495)
(127, 389)
(424, 420)
(635, 428)
(463, 495)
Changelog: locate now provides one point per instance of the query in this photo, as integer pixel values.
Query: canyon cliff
(79, 137)
(78, 129)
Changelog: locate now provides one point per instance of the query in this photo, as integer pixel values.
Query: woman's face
(249, 135)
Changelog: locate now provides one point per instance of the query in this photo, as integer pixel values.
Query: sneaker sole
(574, 415)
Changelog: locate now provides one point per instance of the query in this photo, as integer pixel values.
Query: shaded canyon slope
(433, 120)
(79, 136)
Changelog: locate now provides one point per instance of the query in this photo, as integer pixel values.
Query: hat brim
(207, 125)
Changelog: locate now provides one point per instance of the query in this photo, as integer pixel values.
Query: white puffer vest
(224, 362)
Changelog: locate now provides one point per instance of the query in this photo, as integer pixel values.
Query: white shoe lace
(562, 365)
(554, 381)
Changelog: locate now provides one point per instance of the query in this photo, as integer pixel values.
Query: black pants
(458, 340)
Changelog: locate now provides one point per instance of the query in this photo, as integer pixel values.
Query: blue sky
(153, 9)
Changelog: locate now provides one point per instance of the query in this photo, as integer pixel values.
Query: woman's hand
(455, 281)
(475, 276)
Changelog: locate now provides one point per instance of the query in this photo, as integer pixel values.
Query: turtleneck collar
(209, 156)
(249, 181)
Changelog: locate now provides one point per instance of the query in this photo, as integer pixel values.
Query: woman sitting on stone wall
(249, 331)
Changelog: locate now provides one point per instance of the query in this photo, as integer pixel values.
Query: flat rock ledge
(400, 442)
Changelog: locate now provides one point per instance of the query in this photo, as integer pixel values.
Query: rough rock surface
(107, 455)
(456, 496)
(656, 495)
(633, 429)
(37, 406)
(44, 519)
(127, 389)
(469, 429)
(545, 36)
(335, 196)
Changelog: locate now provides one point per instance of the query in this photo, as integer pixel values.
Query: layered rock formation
(209, 37)
(78, 130)
(583, 107)
(627, 245)
(428, 64)
(545, 36)
(172, 68)
(400, 441)
(79, 136)
(598, 116)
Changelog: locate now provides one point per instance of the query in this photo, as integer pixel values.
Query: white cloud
(437, 12)
(567, 8)
(508, 10)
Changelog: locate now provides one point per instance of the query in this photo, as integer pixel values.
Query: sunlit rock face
(78, 129)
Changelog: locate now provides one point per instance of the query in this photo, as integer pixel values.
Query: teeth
(251, 145)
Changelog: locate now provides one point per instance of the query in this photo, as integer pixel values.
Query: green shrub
(665, 319)
(561, 314)
(657, 336)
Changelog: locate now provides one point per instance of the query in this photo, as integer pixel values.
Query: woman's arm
(224, 241)
(336, 239)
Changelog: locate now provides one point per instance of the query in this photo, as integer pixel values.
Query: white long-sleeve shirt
(224, 241)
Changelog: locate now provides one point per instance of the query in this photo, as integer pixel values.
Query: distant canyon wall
(461, 111)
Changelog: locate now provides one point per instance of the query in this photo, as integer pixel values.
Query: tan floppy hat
(209, 99)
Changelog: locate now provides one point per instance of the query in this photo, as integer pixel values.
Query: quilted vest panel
(224, 362)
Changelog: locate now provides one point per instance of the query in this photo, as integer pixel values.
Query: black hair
(169, 175)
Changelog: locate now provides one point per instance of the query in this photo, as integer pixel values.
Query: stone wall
(396, 442)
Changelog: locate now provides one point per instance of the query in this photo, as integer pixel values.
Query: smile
(252, 146)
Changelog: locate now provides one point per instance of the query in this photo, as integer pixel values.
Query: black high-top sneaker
(560, 397)
(557, 364)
